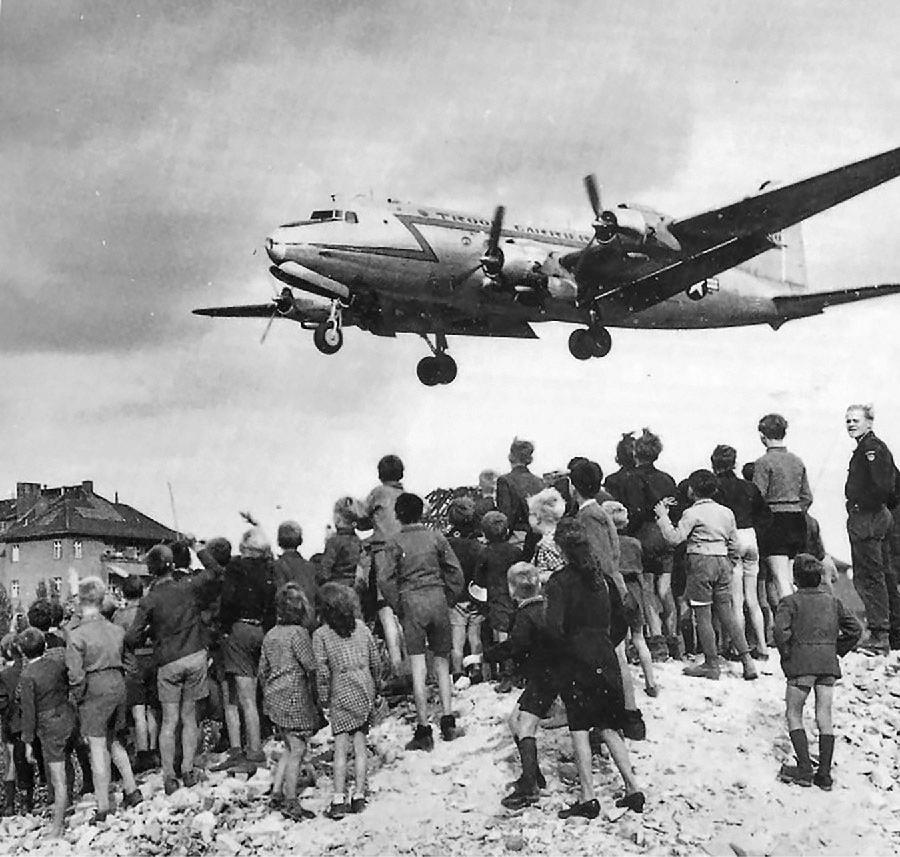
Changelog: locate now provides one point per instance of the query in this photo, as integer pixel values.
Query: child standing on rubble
(812, 630)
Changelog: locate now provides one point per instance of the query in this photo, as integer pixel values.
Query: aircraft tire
(447, 369)
(581, 344)
(601, 342)
(429, 371)
(328, 338)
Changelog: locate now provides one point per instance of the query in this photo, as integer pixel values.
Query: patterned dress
(286, 668)
(347, 669)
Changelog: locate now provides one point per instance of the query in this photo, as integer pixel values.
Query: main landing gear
(440, 368)
(328, 337)
(587, 342)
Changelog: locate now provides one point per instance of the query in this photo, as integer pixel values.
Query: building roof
(8, 509)
(78, 511)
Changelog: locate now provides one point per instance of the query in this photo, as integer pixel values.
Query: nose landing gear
(440, 368)
(585, 343)
(328, 337)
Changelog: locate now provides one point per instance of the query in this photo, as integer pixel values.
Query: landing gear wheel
(601, 342)
(328, 338)
(429, 371)
(581, 344)
(446, 368)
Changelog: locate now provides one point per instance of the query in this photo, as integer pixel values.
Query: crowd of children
(547, 584)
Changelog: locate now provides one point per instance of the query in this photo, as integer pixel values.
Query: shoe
(823, 781)
(256, 757)
(635, 801)
(191, 778)
(99, 817)
(234, 759)
(894, 642)
(358, 804)
(731, 655)
(659, 649)
(421, 739)
(448, 727)
(796, 774)
(584, 809)
(519, 798)
(277, 801)
(170, 785)
(651, 690)
(336, 811)
(517, 784)
(876, 643)
(750, 673)
(703, 670)
(296, 812)
(757, 655)
(132, 799)
(633, 726)
(505, 685)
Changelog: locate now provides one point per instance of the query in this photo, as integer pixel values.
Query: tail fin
(785, 264)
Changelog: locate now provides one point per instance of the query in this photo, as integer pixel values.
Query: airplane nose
(275, 249)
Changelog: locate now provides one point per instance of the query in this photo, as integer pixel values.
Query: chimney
(27, 495)
(87, 486)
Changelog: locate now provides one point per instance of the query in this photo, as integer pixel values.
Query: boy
(812, 630)
(710, 533)
(422, 580)
(47, 714)
(490, 573)
(343, 546)
(21, 771)
(535, 652)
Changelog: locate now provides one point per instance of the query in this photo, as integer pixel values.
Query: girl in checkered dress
(347, 671)
(286, 669)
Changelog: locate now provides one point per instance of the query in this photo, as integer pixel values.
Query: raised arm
(849, 629)
(75, 667)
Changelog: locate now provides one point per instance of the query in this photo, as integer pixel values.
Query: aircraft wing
(245, 311)
(799, 305)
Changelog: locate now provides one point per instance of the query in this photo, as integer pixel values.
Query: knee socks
(528, 754)
(801, 748)
(826, 753)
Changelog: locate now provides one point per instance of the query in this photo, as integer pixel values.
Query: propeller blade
(496, 226)
(593, 192)
(262, 339)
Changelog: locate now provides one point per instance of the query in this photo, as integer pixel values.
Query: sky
(147, 148)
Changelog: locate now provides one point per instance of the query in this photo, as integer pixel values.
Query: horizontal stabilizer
(800, 305)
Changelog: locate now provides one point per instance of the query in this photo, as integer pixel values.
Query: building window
(57, 585)
(15, 553)
(14, 588)
(77, 546)
(57, 549)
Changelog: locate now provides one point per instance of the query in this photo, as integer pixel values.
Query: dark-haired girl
(347, 672)
(286, 668)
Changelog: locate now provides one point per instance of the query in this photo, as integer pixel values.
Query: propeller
(282, 304)
(491, 261)
(606, 223)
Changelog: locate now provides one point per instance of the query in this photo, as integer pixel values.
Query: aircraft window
(350, 217)
(327, 214)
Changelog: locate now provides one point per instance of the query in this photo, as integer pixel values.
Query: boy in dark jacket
(343, 547)
(812, 630)
(536, 654)
(421, 583)
(21, 772)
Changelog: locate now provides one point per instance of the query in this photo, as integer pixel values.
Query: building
(51, 536)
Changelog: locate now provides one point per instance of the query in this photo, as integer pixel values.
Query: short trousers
(56, 729)
(807, 682)
(241, 649)
(140, 683)
(425, 618)
(785, 535)
(658, 563)
(748, 561)
(708, 579)
(634, 584)
(102, 711)
(590, 704)
(184, 679)
(465, 616)
(539, 694)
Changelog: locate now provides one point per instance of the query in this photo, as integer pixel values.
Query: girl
(347, 667)
(545, 509)
(286, 666)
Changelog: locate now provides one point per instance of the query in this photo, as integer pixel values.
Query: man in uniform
(870, 490)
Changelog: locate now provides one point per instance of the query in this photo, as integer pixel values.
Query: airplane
(404, 268)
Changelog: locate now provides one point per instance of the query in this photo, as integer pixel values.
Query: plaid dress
(347, 669)
(286, 667)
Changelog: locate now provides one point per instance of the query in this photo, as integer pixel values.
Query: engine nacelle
(632, 226)
(522, 262)
(284, 303)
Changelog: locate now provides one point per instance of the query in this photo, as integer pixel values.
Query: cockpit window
(327, 214)
(350, 217)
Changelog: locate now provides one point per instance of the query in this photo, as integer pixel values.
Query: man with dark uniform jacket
(870, 490)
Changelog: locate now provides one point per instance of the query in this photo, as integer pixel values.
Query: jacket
(812, 629)
(339, 561)
(781, 478)
(513, 490)
(601, 533)
(420, 558)
(248, 592)
(291, 567)
(871, 475)
(707, 528)
(379, 511)
(534, 649)
(744, 499)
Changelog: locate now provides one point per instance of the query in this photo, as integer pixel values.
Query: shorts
(463, 615)
(425, 617)
(748, 561)
(539, 694)
(807, 682)
(634, 585)
(184, 679)
(241, 649)
(140, 683)
(591, 704)
(56, 730)
(102, 711)
(708, 579)
(785, 535)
